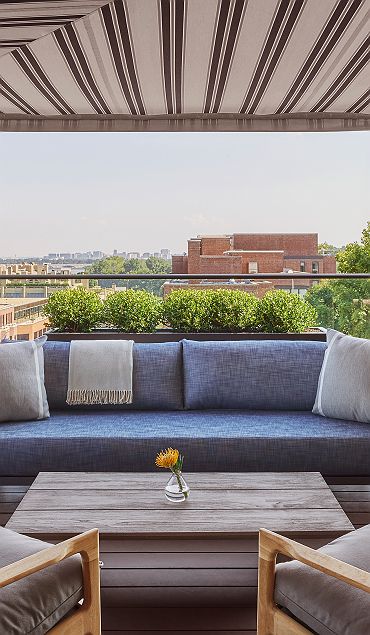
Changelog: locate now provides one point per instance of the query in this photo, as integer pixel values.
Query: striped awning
(185, 65)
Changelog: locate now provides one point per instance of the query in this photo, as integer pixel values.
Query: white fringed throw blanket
(100, 372)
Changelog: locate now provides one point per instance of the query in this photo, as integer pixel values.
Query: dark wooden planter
(166, 335)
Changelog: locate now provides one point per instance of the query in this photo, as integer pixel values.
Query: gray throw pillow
(22, 389)
(343, 390)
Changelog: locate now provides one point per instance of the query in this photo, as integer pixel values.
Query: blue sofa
(228, 406)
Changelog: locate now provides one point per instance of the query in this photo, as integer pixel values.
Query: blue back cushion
(254, 375)
(157, 376)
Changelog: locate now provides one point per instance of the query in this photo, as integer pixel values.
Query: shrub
(221, 310)
(184, 310)
(74, 310)
(133, 311)
(231, 310)
(283, 312)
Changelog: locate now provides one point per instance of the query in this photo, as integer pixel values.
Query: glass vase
(177, 490)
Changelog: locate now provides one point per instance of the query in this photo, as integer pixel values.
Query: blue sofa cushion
(266, 375)
(220, 441)
(157, 376)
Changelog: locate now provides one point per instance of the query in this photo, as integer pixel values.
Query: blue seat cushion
(220, 440)
(256, 375)
(157, 376)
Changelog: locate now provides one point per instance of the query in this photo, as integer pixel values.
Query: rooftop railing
(188, 276)
(353, 315)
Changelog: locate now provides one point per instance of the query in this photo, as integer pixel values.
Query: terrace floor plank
(171, 596)
(175, 620)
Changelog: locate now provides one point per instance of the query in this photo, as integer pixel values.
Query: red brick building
(255, 253)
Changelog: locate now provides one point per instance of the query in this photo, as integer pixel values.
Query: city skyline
(163, 253)
(135, 191)
(91, 255)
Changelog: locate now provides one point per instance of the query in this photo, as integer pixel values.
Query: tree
(117, 264)
(355, 257)
(135, 265)
(112, 264)
(158, 265)
(327, 248)
(322, 297)
(344, 304)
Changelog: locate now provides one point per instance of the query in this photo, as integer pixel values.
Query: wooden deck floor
(190, 589)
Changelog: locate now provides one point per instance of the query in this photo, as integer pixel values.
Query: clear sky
(146, 191)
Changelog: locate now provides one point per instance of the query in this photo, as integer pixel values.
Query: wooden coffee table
(220, 505)
(189, 567)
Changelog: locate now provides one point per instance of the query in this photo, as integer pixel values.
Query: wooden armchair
(85, 619)
(271, 619)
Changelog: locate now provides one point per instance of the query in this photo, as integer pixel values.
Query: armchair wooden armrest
(271, 620)
(86, 619)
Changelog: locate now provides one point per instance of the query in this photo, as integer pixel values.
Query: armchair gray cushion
(323, 604)
(38, 602)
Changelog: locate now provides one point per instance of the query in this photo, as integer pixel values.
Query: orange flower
(167, 458)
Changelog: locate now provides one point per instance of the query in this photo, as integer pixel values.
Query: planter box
(166, 335)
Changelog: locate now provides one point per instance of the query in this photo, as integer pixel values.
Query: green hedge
(74, 310)
(184, 310)
(219, 310)
(282, 312)
(133, 311)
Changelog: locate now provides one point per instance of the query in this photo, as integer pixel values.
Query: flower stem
(177, 474)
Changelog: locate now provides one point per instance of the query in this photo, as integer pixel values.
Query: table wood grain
(220, 505)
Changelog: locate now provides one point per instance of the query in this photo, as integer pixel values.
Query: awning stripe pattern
(285, 19)
(30, 66)
(361, 103)
(345, 77)
(186, 61)
(23, 22)
(13, 97)
(76, 59)
(228, 27)
(341, 16)
(121, 49)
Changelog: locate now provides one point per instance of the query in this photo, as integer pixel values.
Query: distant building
(22, 318)
(8, 327)
(254, 253)
(30, 290)
(24, 268)
(165, 254)
(122, 254)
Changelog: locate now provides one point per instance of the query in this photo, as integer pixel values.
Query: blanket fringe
(98, 397)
